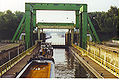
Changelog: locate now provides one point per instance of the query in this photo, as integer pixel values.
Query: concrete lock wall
(75, 38)
(11, 53)
(105, 57)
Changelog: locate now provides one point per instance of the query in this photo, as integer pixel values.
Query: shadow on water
(66, 66)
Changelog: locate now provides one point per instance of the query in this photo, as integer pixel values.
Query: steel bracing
(82, 20)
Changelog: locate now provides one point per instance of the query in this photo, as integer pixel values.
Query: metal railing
(112, 68)
(80, 59)
(6, 66)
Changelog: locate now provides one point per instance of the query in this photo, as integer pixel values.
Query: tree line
(8, 23)
(105, 23)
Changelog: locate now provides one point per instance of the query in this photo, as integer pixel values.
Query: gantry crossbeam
(56, 25)
(81, 18)
(56, 6)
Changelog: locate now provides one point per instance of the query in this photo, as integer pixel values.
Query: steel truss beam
(56, 25)
(23, 27)
(81, 21)
(56, 6)
(30, 20)
(18, 29)
(93, 32)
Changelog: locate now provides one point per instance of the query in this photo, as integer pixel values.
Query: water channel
(66, 65)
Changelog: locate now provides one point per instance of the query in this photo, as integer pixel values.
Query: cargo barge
(41, 65)
(38, 68)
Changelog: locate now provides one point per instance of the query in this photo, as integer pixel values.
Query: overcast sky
(58, 16)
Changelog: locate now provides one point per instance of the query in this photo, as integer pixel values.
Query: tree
(108, 23)
(8, 23)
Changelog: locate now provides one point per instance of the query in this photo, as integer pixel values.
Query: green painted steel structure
(23, 27)
(55, 6)
(55, 24)
(19, 27)
(77, 19)
(93, 31)
(82, 20)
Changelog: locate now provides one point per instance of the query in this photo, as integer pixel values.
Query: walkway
(92, 66)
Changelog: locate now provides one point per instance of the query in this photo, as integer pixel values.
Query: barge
(41, 65)
(38, 68)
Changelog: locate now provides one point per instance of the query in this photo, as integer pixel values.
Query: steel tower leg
(27, 28)
(84, 30)
(38, 33)
(34, 18)
(77, 19)
(69, 37)
(42, 35)
(83, 27)
(80, 30)
(72, 35)
(33, 25)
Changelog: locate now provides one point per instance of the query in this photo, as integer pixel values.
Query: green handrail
(8, 65)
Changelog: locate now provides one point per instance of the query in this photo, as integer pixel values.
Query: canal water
(66, 65)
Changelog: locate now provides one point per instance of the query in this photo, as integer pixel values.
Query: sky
(58, 16)
(93, 5)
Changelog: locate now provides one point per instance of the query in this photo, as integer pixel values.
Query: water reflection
(66, 66)
(56, 39)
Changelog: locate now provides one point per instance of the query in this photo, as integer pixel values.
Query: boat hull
(38, 69)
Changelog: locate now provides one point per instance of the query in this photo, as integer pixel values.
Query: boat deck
(37, 71)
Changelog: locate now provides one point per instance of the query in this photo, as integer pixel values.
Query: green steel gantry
(83, 22)
(55, 25)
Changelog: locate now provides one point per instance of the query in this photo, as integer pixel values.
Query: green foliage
(8, 23)
(106, 23)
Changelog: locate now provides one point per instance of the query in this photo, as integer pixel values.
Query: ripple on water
(66, 66)
(62, 71)
(69, 68)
